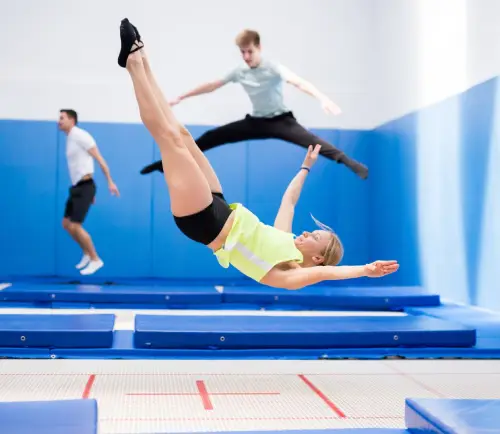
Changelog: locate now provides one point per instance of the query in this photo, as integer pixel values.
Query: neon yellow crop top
(253, 247)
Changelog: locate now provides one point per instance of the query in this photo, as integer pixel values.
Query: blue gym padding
(123, 348)
(57, 331)
(76, 416)
(164, 296)
(324, 431)
(205, 332)
(206, 296)
(487, 323)
(453, 416)
(321, 297)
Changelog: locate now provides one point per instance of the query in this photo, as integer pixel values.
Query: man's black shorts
(81, 197)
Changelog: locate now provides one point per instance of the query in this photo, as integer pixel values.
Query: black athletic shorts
(81, 197)
(204, 226)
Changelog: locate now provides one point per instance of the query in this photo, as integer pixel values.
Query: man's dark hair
(71, 114)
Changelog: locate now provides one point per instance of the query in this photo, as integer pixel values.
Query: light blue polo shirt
(264, 86)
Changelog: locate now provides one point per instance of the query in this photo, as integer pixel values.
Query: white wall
(379, 59)
(428, 50)
(63, 53)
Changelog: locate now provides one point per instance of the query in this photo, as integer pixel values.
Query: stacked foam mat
(420, 326)
(440, 416)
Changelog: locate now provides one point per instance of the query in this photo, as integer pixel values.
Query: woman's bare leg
(188, 188)
(198, 155)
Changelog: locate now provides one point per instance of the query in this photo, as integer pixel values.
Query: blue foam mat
(453, 416)
(324, 431)
(123, 348)
(79, 416)
(164, 296)
(487, 323)
(172, 296)
(212, 332)
(318, 297)
(57, 331)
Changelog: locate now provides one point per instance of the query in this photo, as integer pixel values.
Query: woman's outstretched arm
(297, 278)
(284, 218)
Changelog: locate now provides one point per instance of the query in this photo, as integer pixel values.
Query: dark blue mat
(123, 348)
(206, 296)
(133, 295)
(487, 323)
(453, 416)
(250, 332)
(78, 416)
(325, 431)
(57, 331)
(384, 298)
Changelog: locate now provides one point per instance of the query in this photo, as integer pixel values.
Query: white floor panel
(194, 396)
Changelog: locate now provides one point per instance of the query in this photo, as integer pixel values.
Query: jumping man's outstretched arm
(307, 87)
(204, 88)
(284, 218)
(208, 86)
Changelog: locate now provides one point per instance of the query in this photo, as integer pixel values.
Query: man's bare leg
(84, 240)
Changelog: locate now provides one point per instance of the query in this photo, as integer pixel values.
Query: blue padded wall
(479, 114)
(392, 199)
(376, 219)
(135, 234)
(449, 149)
(28, 176)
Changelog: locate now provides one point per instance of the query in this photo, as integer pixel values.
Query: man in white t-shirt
(81, 149)
(263, 80)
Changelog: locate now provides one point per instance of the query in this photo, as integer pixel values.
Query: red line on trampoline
(322, 396)
(204, 394)
(88, 386)
(205, 397)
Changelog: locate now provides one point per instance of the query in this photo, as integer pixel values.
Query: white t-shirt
(264, 86)
(80, 162)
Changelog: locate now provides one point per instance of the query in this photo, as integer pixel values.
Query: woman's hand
(381, 268)
(312, 156)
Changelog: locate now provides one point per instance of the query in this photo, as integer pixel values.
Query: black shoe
(158, 165)
(137, 34)
(359, 169)
(128, 38)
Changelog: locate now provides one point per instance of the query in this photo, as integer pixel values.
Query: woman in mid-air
(271, 255)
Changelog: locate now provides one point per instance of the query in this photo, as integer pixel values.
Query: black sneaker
(156, 166)
(128, 38)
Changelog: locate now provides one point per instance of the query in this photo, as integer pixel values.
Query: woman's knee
(166, 134)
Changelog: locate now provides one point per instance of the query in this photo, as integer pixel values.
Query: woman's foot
(130, 42)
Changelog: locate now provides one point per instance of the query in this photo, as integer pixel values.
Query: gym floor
(182, 393)
(150, 396)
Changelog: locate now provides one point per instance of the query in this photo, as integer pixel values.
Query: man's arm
(208, 87)
(204, 88)
(94, 152)
(307, 87)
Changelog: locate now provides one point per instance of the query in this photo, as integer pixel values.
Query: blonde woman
(271, 255)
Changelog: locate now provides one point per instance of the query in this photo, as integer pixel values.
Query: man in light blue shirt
(263, 81)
